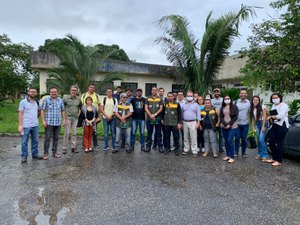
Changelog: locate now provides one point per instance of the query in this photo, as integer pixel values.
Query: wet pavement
(145, 188)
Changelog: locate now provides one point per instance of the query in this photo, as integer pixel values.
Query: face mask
(276, 100)
(227, 101)
(189, 99)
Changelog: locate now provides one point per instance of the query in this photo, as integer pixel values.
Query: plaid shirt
(53, 109)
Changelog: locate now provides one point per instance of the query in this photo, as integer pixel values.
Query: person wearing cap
(118, 93)
(123, 112)
(216, 102)
(138, 118)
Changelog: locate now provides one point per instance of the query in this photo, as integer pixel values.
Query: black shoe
(39, 157)
(176, 151)
(74, 150)
(166, 151)
(64, 151)
(114, 151)
(154, 147)
(148, 149)
(24, 160)
(221, 150)
(161, 149)
(128, 150)
(143, 148)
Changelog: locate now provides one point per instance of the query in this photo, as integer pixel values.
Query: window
(126, 85)
(177, 87)
(148, 88)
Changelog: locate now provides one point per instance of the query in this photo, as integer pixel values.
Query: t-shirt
(96, 99)
(138, 105)
(207, 124)
(261, 114)
(109, 106)
(217, 103)
(30, 113)
(243, 106)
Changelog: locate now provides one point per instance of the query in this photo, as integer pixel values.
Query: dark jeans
(34, 132)
(109, 125)
(158, 134)
(228, 135)
(135, 125)
(51, 131)
(277, 135)
(200, 139)
(242, 134)
(221, 143)
(167, 137)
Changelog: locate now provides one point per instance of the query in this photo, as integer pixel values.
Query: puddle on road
(46, 207)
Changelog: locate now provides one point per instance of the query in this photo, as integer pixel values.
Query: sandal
(231, 161)
(226, 158)
(269, 161)
(276, 163)
(56, 155)
(205, 154)
(45, 157)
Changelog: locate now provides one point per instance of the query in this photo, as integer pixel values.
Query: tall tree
(15, 72)
(79, 65)
(199, 63)
(274, 50)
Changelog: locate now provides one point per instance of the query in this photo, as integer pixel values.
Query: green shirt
(72, 106)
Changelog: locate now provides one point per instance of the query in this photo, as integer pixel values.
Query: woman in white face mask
(258, 115)
(228, 115)
(280, 124)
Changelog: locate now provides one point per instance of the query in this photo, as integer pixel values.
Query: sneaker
(244, 156)
(64, 151)
(106, 149)
(236, 155)
(154, 147)
(23, 160)
(114, 151)
(184, 153)
(176, 151)
(143, 148)
(215, 156)
(221, 150)
(161, 149)
(195, 155)
(203, 150)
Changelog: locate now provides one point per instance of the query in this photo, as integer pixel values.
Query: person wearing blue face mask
(280, 125)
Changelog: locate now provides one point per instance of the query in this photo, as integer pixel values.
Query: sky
(131, 24)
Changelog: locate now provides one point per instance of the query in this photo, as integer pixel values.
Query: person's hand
(179, 126)
(152, 117)
(123, 120)
(162, 122)
(218, 125)
(228, 126)
(200, 127)
(263, 129)
(63, 123)
(254, 130)
(44, 124)
(108, 118)
(20, 129)
(197, 126)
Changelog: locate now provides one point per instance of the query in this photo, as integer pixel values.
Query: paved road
(145, 188)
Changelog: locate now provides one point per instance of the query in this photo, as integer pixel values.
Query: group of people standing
(193, 122)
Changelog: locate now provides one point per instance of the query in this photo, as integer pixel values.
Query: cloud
(128, 23)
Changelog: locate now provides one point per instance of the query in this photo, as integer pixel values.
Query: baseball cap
(139, 89)
(216, 89)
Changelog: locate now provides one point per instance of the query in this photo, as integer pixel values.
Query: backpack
(104, 101)
(97, 96)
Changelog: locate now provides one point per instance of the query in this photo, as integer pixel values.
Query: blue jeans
(51, 131)
(228, 135)
(112, 126)
(34, 132)
(158, 134)
(262, 146)
(135, 125)
(242, 134)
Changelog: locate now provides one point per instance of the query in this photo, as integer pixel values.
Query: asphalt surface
(145, 188)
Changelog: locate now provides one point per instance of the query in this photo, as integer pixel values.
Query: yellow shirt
(96, 99)
(109, 106)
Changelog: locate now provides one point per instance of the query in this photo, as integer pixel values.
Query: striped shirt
(53, 109)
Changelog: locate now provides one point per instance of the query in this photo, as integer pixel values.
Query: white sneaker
(203, 149)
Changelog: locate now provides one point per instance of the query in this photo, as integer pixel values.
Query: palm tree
(79, 65)
(199, 63)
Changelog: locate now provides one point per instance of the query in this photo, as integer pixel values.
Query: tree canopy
(15, 72)
(198, 62)
(274, 50)
(50, 45)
